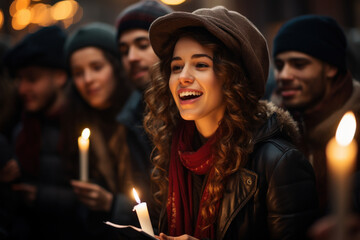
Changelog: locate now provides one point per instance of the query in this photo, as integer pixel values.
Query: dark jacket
(274, 196)
(38, 153)
(132, 116)
(140, 147)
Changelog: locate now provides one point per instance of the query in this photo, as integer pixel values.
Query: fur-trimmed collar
(278, 121)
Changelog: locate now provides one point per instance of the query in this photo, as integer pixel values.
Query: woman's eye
(175, 68)
(202, 65)
(97, 67)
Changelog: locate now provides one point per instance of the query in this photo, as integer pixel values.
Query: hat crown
(41, 48)
(97, 34)
(237, 33)
(140, 15)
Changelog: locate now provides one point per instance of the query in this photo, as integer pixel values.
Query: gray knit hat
(140, 15)
(101, 35)
(233, 29)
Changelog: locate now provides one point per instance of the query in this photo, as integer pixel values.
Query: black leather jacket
(274, 196)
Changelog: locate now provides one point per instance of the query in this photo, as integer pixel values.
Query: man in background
(43, 196)
(138, 57)
(315, 85)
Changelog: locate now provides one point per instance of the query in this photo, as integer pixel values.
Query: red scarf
(185, 160)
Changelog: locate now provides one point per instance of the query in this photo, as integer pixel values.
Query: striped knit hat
(140, 15)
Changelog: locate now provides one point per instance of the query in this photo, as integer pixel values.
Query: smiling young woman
(228, 159)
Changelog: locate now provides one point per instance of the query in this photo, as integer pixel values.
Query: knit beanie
(234, 30)
(101, 35)
(42, 48)
(317, 36)
(140, 15)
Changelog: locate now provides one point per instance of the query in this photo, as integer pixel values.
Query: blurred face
(137, 56)
(93, 76)
(303, 80)
(37, 87)
(195, 88)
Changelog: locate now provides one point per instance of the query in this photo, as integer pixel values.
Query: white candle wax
(341, 155)
(83, 143)
(143, 215)
(144, 218)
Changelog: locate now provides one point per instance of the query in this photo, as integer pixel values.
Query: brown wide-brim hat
(233, 29)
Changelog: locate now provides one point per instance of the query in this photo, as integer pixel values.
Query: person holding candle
(97, 93)
(315, 85)
(225, 162)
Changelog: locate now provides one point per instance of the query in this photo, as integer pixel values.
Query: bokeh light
(63, 10)
(1, 19)
(173, 2)
(21, 19)
(35, 12)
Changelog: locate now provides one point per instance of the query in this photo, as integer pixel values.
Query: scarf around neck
(184, 161)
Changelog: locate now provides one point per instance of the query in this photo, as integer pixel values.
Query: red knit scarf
(185, 160)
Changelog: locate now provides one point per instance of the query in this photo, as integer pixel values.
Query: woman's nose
(186, 76)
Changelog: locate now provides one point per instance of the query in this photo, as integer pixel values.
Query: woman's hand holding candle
(93, 195)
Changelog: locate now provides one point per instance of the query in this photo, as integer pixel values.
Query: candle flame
(85, 133)
(346, 129)
(137, 199)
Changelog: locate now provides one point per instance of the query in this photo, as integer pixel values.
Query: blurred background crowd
(90, 33)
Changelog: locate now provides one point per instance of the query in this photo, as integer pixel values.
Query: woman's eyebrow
(200, 55)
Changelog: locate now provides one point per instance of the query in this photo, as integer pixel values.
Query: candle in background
(83, 142)
(143, 215)
(341, 153)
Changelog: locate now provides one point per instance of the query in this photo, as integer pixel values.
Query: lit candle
(83, 142)
(341, 153)
(143, 215)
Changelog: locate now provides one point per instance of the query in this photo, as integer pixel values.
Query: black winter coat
(274, 196)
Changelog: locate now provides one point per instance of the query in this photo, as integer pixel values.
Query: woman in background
(97, 93)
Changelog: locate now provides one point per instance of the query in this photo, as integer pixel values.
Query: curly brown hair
(240, 119)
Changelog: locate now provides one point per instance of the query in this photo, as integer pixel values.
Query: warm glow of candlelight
(85, 133)
(136, 196)
(143, 215)
(83, 144)
(173, 2)
(341, 152)
(346, 129)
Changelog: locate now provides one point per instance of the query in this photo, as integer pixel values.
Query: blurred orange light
(173, 2)
(12, 8)
(38, 13)
(22, 4)
(62, 10)
(22, 17)
(67, 22)
(1, 18)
